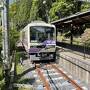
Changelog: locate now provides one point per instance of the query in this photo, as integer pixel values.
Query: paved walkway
(29, 76)
(27, 64)
(28, 69)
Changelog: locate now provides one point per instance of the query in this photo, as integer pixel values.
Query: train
(39, 40)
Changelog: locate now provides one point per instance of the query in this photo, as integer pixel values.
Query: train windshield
(41, 33)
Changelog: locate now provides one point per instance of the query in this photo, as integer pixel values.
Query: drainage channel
(54, 79)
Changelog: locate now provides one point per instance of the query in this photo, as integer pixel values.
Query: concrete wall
(75, 70)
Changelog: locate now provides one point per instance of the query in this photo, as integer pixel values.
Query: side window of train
(50, 32)
(32, 34)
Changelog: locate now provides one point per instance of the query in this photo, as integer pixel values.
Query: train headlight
(51, 55)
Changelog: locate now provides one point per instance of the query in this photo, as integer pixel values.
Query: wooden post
(71, 38)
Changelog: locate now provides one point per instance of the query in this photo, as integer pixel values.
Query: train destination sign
(49, 42)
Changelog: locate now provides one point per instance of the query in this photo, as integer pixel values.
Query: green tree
(34, 10)
(44, 8)
(14, 37)
(64, 8)
(22, 16)
(86, 37)
(29, 10)
(24, 11)
(61, 9)
(85, 6)
(0, 37)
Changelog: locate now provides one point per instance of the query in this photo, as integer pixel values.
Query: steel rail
(46, 83)
(70, 80)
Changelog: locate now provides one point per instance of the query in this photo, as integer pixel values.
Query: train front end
(42, 43)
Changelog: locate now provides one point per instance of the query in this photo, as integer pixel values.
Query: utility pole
(71, 37)
(5, 42)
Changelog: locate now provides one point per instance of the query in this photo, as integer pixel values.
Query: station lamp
(44, 2)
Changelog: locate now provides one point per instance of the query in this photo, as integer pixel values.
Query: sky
(11, 1)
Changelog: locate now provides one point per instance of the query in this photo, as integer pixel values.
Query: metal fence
(75, 47)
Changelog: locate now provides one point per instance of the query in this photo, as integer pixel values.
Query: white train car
(39, 40)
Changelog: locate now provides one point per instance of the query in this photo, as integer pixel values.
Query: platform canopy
(76, 19)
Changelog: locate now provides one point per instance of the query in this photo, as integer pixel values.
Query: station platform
(74, 54)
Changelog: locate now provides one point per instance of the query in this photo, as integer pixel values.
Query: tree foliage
(14, 36)
(64, 8)
(34, 10)
(85, 6)
(60, 10)
(86, 37)
(0, 37)
(29, 10)
(22, 12)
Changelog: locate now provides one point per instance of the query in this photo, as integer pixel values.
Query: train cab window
(41, 33)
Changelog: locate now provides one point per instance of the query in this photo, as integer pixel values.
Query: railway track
(54, 78)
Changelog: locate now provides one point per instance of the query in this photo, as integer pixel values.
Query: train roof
(40, 23)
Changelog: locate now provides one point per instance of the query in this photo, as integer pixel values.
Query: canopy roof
(78, 18)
